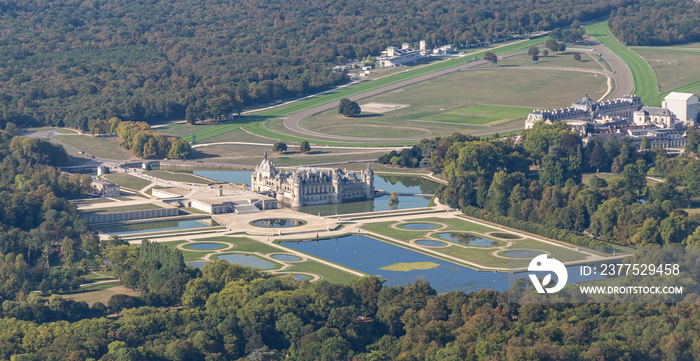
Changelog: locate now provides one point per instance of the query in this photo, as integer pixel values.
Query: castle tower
(264, 171)
(296, 191)
(336, 195)
(368, 179)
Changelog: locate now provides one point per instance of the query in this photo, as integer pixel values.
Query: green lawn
(565, 59)
(454, 225)
(179, 130)
(645, 83)
(127, 181)
(243, 244)
(100, 147)
(328, 273)
(257, 125)
(491, 101)
(674, 67)
(480, 114)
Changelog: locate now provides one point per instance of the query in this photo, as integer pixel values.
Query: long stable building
(310, 186)
(626, 117)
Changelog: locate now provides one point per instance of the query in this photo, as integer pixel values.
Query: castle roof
(266, 164)
(585, 103)
(656, 111)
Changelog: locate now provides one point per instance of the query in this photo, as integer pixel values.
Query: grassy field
(435, 106)
(100, 147)
(179, 130)
(645, 84)
(66, 131)
(99, 293)
(256, 126)
(674, 66)
(565, 59)
(251, 155)
(328, 273)
(127, 181)
(480, 114)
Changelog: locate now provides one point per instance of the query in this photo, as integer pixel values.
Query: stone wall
(130, 215)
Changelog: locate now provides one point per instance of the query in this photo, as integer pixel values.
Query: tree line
(648, 22)
(238, 313)
(155, 60)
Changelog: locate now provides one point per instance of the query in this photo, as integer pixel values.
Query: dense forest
(654, 22)
(492, 179)
(39, 228)
(69, 62)
(236, 313)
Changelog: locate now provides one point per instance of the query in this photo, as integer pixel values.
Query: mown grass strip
(643, 76)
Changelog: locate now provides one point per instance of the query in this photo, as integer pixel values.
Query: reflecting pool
(418, 225)
(369, 255)
(277, 223)
(521, 253)
(505, 235)
(431, 243)
(157, 226)
(286, 257)
(467, 239)
(199, 265)
(204, 246)
(301, 277)
(246, 260)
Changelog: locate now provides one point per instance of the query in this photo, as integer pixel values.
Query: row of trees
(281, 147)
(147, 143)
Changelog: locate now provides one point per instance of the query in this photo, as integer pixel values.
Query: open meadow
(675, 66)
(470, 101)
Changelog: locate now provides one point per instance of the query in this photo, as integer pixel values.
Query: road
(620, 74)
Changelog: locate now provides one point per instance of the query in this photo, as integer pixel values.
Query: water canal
(382, 259)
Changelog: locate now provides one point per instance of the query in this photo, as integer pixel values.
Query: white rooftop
(679, 96)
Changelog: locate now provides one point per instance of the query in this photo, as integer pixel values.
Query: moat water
(401, 184)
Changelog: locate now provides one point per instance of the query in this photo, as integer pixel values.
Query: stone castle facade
(311, 186)
(626, 117)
